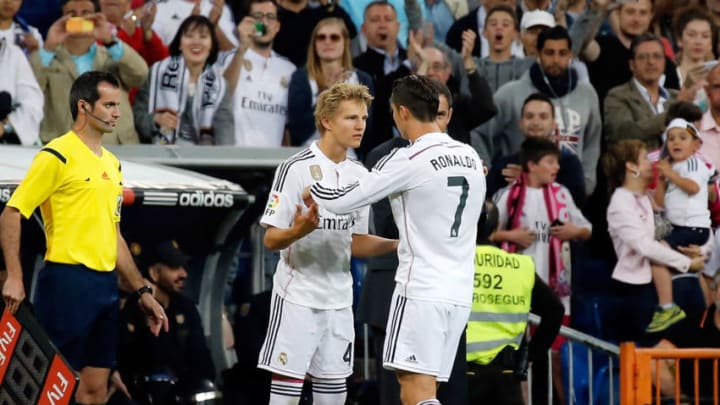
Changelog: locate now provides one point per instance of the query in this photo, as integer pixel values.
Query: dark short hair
(191, 23)
(503, 8)
(538, 97)
(641, 39)
(683, 109)
(534, 148)
(95, 3)
(685, 16)
(247, 4)
(623, 3)
(418, 94)
(85, 88)
(555, 33)
(443, 90)
(378, 3)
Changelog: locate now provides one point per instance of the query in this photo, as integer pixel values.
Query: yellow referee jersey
(80, 196)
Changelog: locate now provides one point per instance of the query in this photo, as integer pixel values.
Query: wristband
(113, 41)
(142, 290)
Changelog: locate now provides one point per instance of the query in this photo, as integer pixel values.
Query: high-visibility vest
(501, 302)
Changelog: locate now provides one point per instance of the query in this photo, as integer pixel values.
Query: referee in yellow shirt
(78, 186)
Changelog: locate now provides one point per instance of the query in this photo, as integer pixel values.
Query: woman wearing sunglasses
(329, 61)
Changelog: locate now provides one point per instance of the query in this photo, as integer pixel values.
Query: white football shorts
(422, 336)
(302, 340)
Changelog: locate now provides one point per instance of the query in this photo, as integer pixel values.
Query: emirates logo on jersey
(336, 223)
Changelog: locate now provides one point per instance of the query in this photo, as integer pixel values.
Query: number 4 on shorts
(348, 353)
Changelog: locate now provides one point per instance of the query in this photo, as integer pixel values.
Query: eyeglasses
(650, 56)
(266, 16)
(325, 37)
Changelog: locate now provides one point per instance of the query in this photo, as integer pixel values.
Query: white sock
(667, 306)
(285, 391)
(329, 391)
(433, 401)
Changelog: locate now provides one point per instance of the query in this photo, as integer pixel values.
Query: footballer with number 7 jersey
(437, 190)
(311, 330)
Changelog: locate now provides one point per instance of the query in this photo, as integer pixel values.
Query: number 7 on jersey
(458, 181)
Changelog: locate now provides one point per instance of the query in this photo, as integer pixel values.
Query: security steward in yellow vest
(506, 290)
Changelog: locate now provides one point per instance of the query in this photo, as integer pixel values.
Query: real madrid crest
(316, 172)
(284, 82)
(283, 358)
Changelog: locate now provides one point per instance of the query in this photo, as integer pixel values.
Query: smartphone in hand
(79, 24)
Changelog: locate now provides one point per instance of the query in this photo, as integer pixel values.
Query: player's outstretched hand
(155, 314)
(307, 197)
(306, 222)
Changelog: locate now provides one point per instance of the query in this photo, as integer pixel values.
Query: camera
(260, 29)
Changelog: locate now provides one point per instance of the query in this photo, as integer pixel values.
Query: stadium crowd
(598, 121)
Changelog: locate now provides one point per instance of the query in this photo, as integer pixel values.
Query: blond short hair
(329, 100)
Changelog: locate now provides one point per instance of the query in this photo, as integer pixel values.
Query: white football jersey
(314, 271)
(535, 217)
(10, 34)
(171, 13)
(683, 209)
(437, 190)
(261, 99)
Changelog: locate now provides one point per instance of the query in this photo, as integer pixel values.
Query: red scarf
(555, 208)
